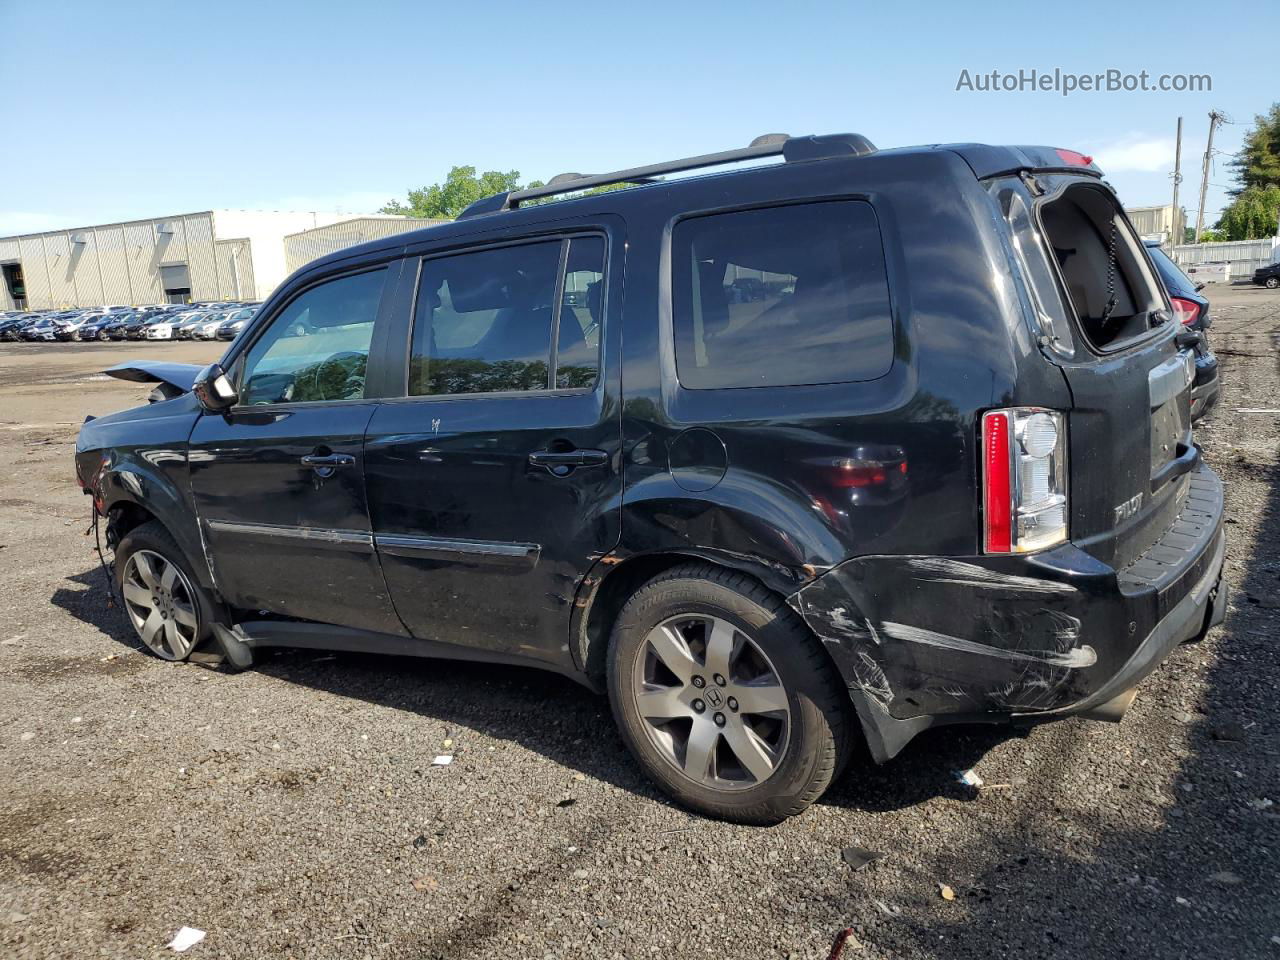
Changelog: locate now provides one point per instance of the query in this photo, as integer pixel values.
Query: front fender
(139, 457)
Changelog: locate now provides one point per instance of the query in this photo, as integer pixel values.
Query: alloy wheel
(161, 604)
(711, 702)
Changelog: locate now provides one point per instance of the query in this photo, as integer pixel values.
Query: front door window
(317, 347)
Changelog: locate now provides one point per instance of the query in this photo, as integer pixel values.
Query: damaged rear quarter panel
(932, 636)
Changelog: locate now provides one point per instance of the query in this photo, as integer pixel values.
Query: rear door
(1109, 327)
(494, 482)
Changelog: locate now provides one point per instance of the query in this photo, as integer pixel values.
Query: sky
(143, 109)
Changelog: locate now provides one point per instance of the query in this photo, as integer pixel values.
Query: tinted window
(581, 316)
(781, 296)
(317, 347)
(484, 319)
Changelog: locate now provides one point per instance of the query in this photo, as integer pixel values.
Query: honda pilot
(783, 457)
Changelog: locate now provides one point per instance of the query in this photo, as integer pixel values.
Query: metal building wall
(113, 265)
(201, 261)
(235, 269)
(301, 248)
(86, 281)
(9, 252)
(140, 253)
(57, 252)
(35, 271)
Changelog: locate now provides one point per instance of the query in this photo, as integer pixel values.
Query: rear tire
(752, 742)
(168, 609)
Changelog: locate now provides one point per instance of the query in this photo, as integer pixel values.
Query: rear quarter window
(781, 296)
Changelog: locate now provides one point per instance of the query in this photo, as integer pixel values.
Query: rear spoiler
(986, 161)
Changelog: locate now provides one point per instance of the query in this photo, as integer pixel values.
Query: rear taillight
(1024, 480)
(1184, 311)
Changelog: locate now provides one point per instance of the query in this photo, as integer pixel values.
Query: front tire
(164, 602)
(724, 696)
(1272, 283)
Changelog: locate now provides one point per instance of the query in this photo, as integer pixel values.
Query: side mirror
(213, 389)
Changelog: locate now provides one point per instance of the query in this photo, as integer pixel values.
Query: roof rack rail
(792, 149)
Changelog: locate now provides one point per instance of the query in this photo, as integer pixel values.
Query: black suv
(1268, 276)
(935, 466)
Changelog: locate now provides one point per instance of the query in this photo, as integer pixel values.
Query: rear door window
(485, 319)
(781, 296)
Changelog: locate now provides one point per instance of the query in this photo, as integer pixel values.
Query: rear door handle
(328, 460)
(560, 460)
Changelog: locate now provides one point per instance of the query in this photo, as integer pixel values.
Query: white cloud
(1135, 153)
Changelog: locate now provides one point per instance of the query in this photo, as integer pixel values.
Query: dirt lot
(292, 811)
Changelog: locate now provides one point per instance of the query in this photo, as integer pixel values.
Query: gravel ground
(292, 811)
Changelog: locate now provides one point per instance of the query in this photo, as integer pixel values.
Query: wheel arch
(614, 578)
(165, 505)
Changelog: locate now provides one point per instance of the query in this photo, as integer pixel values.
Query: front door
(494, 484)
(278, 479)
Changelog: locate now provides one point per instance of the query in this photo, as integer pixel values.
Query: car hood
(180, 375)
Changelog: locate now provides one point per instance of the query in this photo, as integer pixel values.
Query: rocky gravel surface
(294, 811)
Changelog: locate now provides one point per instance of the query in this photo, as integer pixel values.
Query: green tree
(1258, 162)
(1252, 215)
(461, 188)
(1253, 212)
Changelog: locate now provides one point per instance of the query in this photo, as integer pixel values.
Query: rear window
(1110, 288)
(781, 296)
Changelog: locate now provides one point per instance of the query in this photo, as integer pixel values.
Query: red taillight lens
(996, 481)
(1184, 311)
(1074, 158)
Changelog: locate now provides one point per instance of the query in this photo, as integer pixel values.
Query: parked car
(136, 328)
(71, 327)
(46, 327)
(116, 327)
(13, 328)
(1191, 309)
(230, 328)
(942, 473)
(186, 322)
(159, 326)
(94, 327)
(1268, 276)
(208, 328)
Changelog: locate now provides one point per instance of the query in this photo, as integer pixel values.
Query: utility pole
(1215, 118)
(1177, 232)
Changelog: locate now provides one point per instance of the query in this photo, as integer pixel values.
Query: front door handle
(560, 462)
(318, 461)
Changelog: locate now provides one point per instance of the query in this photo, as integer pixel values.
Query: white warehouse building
(307, 245)
(212, 255)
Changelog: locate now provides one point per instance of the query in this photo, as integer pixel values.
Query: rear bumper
(923, 641)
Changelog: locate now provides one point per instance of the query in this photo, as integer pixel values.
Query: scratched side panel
(934, 636)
